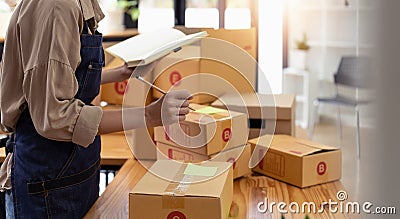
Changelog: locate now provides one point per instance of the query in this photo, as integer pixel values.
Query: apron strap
(85, 23)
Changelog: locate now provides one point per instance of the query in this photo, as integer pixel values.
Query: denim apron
(54, 179)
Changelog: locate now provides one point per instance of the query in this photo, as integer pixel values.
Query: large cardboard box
(264, 111)
(130, 92)
(297, 161)
(179, 71)
(239, 156)
(194, 193)
(142, 144)
(207, 130)
(246, 39)
(227, 53)
(225, 62)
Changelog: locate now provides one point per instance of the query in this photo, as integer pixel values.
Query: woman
(51, 72)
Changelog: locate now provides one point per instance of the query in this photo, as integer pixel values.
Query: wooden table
(248, 191)
(2, 154)
(130, 32)
(114, 150)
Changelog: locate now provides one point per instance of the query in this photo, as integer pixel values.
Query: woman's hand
(124, 72)
(170, 108)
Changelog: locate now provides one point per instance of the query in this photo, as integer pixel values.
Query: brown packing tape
(172, 196)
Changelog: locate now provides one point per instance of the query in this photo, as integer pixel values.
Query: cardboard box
(222, 46)
(155, 197)
(225, 62)
(142, 145)
(207, 130)
(246, 39)
(179, 71)
(263, 111)
(283, 127)
(297, 161)
(135, 92)
(239, 156)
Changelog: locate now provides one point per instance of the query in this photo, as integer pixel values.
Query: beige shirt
(41, 53)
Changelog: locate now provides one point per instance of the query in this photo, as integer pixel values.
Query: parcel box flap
(209, 114)
(151, 184)
(291, 145)
(260, 106)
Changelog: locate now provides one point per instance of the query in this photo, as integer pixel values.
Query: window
(201, 13)
(237, 14)
(155, 14)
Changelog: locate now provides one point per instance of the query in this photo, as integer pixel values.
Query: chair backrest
(354, 71)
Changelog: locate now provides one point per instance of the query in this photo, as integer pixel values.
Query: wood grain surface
(113, 203)
(248, 192)
(114, 150)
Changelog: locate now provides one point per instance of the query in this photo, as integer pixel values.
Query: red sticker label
(175, 78)
(247, 47)
(121, 87)
(176, 215)
(167, 133)
(321, 168)
(226, 134)
(170, 154)
(233, 161)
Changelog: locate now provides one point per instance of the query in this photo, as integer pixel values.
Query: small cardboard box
(263, 110)
(207, 130)
(184, 196)
(130, 92)
(239, 156)
(297, 161)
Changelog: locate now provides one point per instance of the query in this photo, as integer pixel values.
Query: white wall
(270, 50)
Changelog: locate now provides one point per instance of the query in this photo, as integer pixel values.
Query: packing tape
(172, 196)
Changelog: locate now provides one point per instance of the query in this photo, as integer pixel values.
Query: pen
(155, 87)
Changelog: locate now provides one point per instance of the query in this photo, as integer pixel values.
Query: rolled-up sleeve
(50, 85)
(49, 90)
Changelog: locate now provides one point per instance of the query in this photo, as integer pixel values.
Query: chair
(353, 72)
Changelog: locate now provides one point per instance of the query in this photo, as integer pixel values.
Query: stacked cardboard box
(296, 161)
(175, 190)
(130, 92)
(239, 156)
(207, 133)
(181, 71)
(268, 114)
(207, 70)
